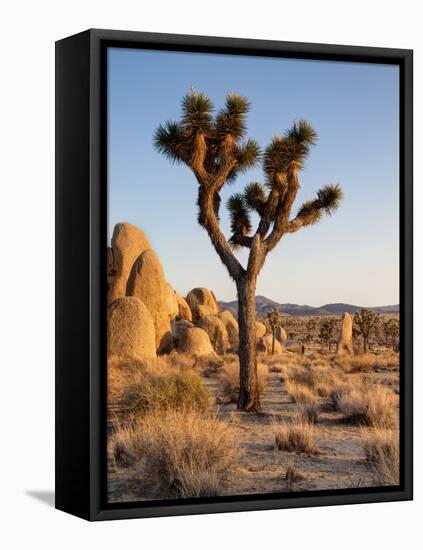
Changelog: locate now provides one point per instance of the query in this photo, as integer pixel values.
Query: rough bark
(249, 398)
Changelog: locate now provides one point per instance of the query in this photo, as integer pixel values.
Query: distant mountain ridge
(263, 305)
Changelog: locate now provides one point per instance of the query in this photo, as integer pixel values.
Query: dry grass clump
(178, 361)
(228, 380)
(210, 366)
(373, 405)
(381, 448)
(300, 393)
(164, 391)
(122, 373)
(319, 379)
(298, 436)
(309, 413)
(319, 357)
(187, 453)
(368, 361)
(284, 360)
(124, 445)
(136, 387)
(292, 474)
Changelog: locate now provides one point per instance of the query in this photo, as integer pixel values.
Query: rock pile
(146, 316)
(147, 282)
(202, 303)
(231, 325)
(128, 243)
(216, 331)
(195, 341)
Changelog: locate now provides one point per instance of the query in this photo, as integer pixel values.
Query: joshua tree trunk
(365, 346)
(249, 398)
(273, 341)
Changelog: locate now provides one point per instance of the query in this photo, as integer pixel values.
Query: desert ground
(326, 424)
(329, 392)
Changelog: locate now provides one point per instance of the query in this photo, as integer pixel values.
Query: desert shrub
(309, 413)
(300, 393)
(381, 448)
(122, 373)
(298, 436)
(228, 380)
(372, 405)
(186, 452)
(164, 391)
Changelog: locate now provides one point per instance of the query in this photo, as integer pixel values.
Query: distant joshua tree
(213, 148)
(355, 333)
(274, 318)
(310, 329)
(327, 329)
(391, 331)
(366, 322)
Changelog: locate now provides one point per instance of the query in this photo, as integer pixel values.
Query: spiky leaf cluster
(231, 120)
(255, 196)
(310, 211)
(288, 151)
(196, 113)
(169, 140)
(239, 214)
(302, 132)
(274, 317)
(219, 135)
(330, 197)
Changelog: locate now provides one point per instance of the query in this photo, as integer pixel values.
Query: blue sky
(352, 256)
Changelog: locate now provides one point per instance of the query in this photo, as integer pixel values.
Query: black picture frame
(81, 202)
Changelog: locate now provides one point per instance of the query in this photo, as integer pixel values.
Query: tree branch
(309, 214)
(211, 225)
(283, 210)
(268, 214)
(241, 240)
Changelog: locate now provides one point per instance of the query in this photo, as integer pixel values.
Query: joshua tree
(213, 147)
(274, 318)
(391, 330)
(326, 332)
(355, 333)
(310, 327)
(366, 322)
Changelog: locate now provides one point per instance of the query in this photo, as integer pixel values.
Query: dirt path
(339, 464)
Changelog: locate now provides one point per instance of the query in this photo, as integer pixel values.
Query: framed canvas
(233, 274)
